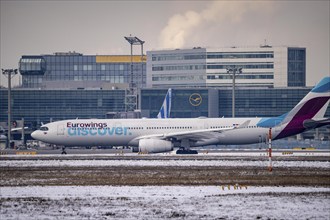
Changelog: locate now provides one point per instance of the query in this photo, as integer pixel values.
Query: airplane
(155, 135)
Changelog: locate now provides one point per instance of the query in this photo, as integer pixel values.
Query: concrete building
(263, 66)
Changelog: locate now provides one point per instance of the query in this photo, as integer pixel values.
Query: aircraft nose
(35, 135)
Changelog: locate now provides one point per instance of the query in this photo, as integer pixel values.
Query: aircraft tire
(186, 152)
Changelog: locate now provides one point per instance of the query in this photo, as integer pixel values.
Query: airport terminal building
(43, 106)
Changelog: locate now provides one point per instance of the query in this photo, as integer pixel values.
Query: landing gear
(185, 148)
(63, 150)
(183, 151)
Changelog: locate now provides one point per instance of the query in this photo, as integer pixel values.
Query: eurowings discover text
(93, 129)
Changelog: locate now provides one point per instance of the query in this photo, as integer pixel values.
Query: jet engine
(155, 146)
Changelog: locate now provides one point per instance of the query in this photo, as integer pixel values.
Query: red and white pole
(270, 166)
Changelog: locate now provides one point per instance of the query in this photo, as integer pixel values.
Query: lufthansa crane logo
(195, 99)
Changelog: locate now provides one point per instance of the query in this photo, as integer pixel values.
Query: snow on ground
(123, 162)
(163, 202)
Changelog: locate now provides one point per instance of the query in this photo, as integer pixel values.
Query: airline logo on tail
(311, 108)
(165, 110)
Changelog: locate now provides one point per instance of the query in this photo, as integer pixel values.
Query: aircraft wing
(18, 129)
(13, 129)
(195, 135)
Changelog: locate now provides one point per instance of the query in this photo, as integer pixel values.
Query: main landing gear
(183, 151)
(185, 148)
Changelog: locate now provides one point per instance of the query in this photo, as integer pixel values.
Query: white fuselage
(123, 132)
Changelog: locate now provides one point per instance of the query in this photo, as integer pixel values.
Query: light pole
(233, 70)
(131, 97)
(8, 73)
(134, 41)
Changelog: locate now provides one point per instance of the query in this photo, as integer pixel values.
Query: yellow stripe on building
(119, 59)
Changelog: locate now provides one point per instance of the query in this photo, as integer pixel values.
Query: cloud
(181, 26)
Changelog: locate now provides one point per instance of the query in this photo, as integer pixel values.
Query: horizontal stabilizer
(310, 123)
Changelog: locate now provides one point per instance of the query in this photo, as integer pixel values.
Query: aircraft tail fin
(165, 110)
(312, 107)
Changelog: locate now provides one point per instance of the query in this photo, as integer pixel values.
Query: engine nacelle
(155, 146)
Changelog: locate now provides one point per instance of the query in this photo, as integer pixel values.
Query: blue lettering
(84, 132)
(72, 132)
(102, 131)
(111, 131)
(92, 133)
(78, 131)
(119, 131)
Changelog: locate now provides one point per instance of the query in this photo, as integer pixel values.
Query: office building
(74, 70)
(263, 66)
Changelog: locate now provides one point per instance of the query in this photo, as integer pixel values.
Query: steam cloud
(180, 26)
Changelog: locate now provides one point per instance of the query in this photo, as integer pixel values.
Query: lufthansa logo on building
(195, 99)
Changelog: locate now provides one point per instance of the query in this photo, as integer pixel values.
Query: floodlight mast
(134, 41)
(8, 73)
(132, 87)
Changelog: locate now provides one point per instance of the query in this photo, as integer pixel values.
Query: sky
(98, 27)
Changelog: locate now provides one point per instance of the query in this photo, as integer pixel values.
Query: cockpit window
(44, 129)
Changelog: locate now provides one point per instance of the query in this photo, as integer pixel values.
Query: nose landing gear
(63, 150)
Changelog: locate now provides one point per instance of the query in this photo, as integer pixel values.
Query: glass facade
(32, 65)
(296, 67)
(261, 102)
(249, 102)
(37, 106)
(240, 55)
(200, 55)
(76, 67)
(186, 103)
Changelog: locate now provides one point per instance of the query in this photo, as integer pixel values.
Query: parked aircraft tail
(165, 110)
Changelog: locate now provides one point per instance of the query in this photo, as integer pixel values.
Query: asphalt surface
(81, 151)
(163, 175)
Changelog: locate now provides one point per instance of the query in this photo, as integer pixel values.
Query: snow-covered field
(160, 202)
(163, 202)
(123, 162)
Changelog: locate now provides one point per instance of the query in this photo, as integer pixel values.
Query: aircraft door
(60, 129)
